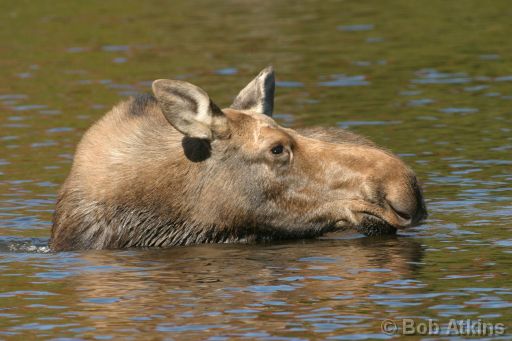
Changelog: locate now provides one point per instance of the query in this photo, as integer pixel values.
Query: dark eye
(277, 149)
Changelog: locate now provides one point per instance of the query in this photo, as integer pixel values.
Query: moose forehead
(255, 127)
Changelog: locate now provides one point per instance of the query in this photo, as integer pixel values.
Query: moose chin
(172, 168)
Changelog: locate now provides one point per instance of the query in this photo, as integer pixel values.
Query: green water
(430, 80)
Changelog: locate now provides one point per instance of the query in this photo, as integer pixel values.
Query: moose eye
(277, 149)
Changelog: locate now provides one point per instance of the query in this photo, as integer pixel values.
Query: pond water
(430, 80)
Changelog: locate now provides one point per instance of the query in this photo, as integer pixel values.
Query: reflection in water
(232, 290)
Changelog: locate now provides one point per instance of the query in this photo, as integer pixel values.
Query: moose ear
(258, 95)
(189, 109)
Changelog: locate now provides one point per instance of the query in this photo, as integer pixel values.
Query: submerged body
(174, 169)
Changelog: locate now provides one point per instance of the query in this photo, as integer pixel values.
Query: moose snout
(404, 200)
(381, 193)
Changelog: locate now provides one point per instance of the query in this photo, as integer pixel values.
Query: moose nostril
(405, 218)
(402, 215)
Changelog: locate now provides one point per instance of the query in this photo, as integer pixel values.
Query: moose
(172, 168)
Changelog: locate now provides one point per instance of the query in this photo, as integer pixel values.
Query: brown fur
(136, 181)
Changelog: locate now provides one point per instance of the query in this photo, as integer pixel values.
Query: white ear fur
(258, 95)
(189, 109)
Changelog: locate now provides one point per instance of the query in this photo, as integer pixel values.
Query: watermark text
(451, 328)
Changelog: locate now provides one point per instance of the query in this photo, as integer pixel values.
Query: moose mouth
(372, 225)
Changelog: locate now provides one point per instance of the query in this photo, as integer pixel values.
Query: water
(430, 80)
